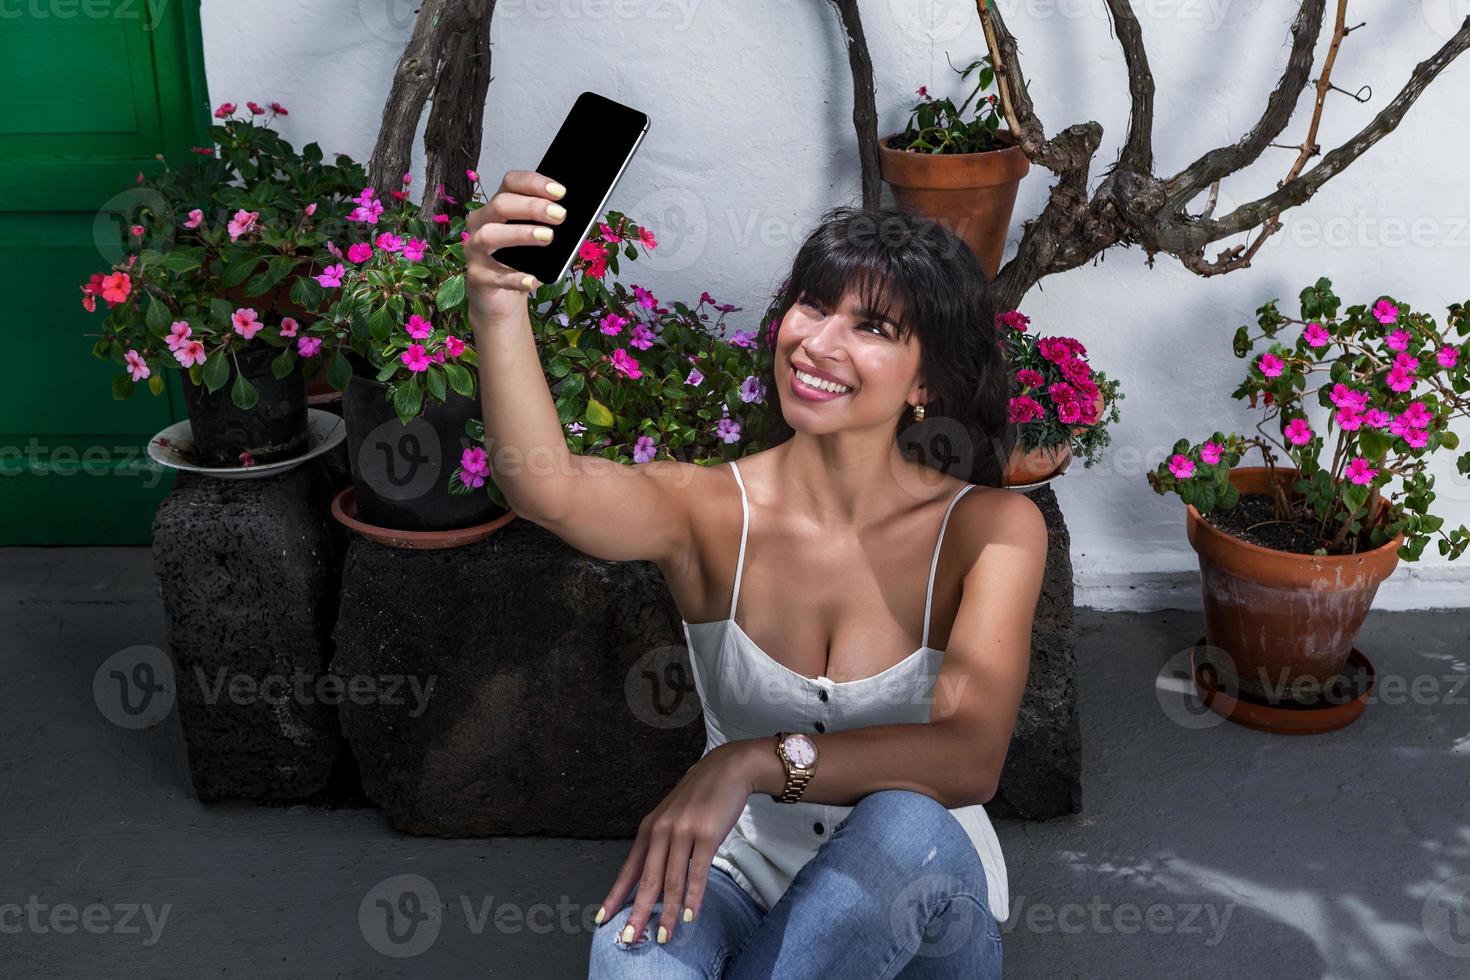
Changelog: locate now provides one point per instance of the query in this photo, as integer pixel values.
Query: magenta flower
(1030, 378)
(1014, 319)
(1400, 379)
(612, 324)
(441, 219)
(137, 367)
(1181, 466)
(1376, 418)
(416, 358)
(1418, 416)
(255, 108)
(694, 377)
(1349, 419)
(247, 322)
(741, 338)
(1447, 357)
(331, 276)
(1025, 409)
(644, 449)
(308, 346)
(1344, 397)
(418, 328)
(311, 209)
(289, 326)
(1316, 335)
(646, 239)
(474, 177)
(1386, 312)
(607, 233)
(474, 467)
(625, 364)
(640, 336)
(1360, 472)
(1298, 432)
(390, 242)
(1407, 362)
(1271, 365)
(279, 109)
(1210, 452)
(414, 249)
(360, 253)
(225, 111)
(196, 218)
(1398, 340)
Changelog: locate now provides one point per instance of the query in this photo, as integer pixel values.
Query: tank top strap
(744, 527)
(934, 563)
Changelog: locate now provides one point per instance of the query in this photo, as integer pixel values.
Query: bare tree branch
(456, 126)
(1138, 149)
(413, 80)
(864, 106)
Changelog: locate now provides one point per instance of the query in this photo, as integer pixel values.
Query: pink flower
(1075, 370)
(137, 367)
(196, 218)
(360, 253)
(1349, 419)
(474, 467)
(640, 336)
(139, 231)
(255, 110)
(607, 232)
(1210, 452)
(1344, 397)
(441, 219)
(1054, 349)
(225, 111)
(279, 109)
(1447, 356)
(116, 287)
(728, 430)
(390, 242)
(1298, 432)
(177, 334)
(644, 449)
(626, 365)
(1359, 471)
(1386, 312)
(189, 353)
(1398, 340)
(923, 91)
(1416, 438)
(289, 327)
(1181, 466)
(612, 324)
(247, 322)
(416, 358)
(1316, 336)
(414, 248)
(1030, 378)
(331, 276)
(407, 179)
(474, 177)
(308, 346)
(1271, 365)
(1407, 362)
(1400, 379)
(1376, 418)
(1025, 409)
(246, 459)
(1014, 319)
(645, 237)
(243, 223)
(1418, 416)
(311, 209)
(332, 247)
(1069, 412)
(694, 377)
(645, 298)
(418, 328)
(453, 345)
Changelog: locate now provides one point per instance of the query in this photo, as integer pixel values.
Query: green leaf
(434, 380)
(306, 293)
(240, 271)
(407, 399)
(460, 379)
(339, 372)
(388, 370)
(158, 317)
(451, 294)
(575, 303)
(155, 383)
(216, 371)
(122, 386)
(381, 323)
(282, 364)
(243, 393)
(598, 414)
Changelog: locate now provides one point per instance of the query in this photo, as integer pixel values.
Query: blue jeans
(896, 891)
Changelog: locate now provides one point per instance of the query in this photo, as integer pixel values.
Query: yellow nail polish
(663, 934)
(628, 933)
(556, 190)
(688, 914)
(527, 282)
(601, 914)
(542, 234)
(556, 212)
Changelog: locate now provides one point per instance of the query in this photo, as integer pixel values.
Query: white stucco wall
(751, 138)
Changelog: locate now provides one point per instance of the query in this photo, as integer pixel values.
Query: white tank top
(745, 693)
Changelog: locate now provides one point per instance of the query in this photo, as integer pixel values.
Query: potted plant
(1291, 556)
(634, 379)
(213, 279)
(961, 172)
(1059, 404)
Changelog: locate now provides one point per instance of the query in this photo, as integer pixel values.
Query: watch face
(801, 750)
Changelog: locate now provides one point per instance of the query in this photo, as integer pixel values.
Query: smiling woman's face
(856, 349)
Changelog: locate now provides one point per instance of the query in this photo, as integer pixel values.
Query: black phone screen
(586, 157)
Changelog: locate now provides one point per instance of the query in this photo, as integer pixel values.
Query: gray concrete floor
(1208, 851)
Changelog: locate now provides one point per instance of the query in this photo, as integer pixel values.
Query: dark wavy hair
(924, 278)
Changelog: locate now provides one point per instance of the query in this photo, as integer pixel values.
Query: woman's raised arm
(600, 507)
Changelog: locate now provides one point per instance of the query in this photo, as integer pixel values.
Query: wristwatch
(798, 753)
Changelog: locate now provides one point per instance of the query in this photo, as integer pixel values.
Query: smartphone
(588, 155)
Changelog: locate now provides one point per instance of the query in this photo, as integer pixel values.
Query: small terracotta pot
(1282, 616)
(1030, 466)
(971, 194)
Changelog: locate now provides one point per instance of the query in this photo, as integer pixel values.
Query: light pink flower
(308, 346)
(137, 367)
(243, 223)
(247, 322)
(645, 237)
(196, 218)
(289, 327)
(177, 334)
(116, 287)
(189, 353)
(644, 449)
(311, 209)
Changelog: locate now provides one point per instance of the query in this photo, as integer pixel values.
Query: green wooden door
(90, 92)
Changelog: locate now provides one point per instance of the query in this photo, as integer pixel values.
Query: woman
(834, 825)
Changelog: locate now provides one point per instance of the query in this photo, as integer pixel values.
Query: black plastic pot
(274, 429)
(401, 472)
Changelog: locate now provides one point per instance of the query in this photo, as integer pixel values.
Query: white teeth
(812, 381)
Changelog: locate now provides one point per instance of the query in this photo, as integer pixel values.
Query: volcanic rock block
(248, 571)
(514, 686)
(1042, 775)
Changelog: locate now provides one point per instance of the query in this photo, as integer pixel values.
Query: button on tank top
(745, 693)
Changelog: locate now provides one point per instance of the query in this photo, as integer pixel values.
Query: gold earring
(919, 412)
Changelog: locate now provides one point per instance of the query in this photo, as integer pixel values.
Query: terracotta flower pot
(971, 194)
(1282, 616)
(1030, 466)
